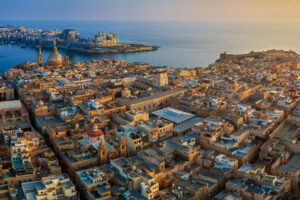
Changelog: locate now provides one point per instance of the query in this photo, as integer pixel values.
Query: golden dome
(55, 58)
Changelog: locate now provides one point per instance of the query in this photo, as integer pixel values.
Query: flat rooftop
(10, 104)
(173, 115)
(292, 166)
(286, 131)
(187, 124)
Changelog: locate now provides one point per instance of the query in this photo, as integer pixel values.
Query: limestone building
(51, 187)
(6, 91)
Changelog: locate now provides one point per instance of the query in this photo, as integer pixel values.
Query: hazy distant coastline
(181, 44)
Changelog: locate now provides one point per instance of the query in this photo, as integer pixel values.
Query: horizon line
(152, 20)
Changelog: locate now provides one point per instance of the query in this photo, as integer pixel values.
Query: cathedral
(54, 60)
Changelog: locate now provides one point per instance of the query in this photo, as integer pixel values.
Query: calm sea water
(182, 44)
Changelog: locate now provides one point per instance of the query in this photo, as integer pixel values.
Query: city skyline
(136, 10)
(149, 100)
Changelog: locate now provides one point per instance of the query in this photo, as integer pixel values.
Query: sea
(181, 44)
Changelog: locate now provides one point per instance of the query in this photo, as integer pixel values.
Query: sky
(185, 10)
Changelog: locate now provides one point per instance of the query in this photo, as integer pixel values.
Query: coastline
(127, 48)
(122, 48)
(68, 39)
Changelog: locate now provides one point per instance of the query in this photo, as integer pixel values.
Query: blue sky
(196, 10)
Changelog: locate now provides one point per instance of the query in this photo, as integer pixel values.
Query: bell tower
(66, 61)
(102, 152)
(40, 57)
(122, 146)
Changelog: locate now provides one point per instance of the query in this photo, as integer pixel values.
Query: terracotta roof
(292, 90)
(97, 133)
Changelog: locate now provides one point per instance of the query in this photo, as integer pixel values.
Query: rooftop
(292, 166)
(10, 104)
(173, 115)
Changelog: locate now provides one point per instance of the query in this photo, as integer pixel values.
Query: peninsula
(69, 39)
(112, 129)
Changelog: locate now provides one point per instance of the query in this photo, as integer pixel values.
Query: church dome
(55, 58)
(95, 132)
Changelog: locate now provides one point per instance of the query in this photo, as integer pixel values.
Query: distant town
(68, 39)
(112, 129)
